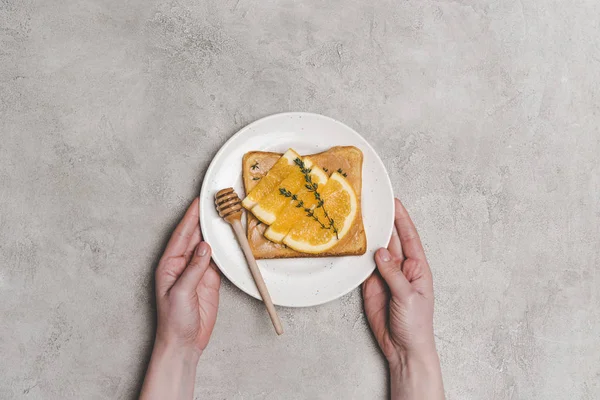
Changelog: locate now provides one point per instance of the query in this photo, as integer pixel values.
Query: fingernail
(385, 255)
(202, 249)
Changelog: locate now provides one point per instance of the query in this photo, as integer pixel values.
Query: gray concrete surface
(484, 112)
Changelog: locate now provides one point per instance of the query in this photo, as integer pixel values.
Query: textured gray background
(484, 112)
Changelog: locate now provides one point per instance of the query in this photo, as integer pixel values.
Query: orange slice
(276, 174)
(340, 203)
(269, 206)
(294, 212)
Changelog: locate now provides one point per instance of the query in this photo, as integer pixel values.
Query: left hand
(187, 288)
(187, 297)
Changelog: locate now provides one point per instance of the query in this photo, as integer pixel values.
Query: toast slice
(347, 158)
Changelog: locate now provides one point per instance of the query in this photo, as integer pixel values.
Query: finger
(373, 286)
(394, 246)
(183, 233)
(375, 292)
(208, 299)
(195, 270)
(209, 286)
(167, 273)
(376, 298)
(214, 266)
(409, 238)
(194, 240)
(391, 272)
(418, 274)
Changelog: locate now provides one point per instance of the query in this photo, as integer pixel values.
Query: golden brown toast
(256, 164)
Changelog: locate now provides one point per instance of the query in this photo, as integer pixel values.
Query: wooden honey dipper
(229, 207)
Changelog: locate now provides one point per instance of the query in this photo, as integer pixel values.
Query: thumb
(391, 271)
(191, 276)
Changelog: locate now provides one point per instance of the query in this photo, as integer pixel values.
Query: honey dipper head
(229, 205)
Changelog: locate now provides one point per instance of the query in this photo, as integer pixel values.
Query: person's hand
(398, 301)
(187, 287)
(187, 297)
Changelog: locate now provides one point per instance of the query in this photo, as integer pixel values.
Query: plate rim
(241, 132)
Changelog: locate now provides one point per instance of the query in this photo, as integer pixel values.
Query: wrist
(176, 352)
(422, 353)
(412, 363)
(416, 374)
(171, 373)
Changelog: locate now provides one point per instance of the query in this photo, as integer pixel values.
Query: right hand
(398, 299)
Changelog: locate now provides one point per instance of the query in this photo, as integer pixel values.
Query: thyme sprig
(314, 188)
(300, 204)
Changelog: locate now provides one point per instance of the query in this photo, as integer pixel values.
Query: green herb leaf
(285, 192)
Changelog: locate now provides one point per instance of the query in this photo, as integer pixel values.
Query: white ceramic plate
(305, 281)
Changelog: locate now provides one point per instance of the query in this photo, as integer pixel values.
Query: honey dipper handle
(258, 279)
